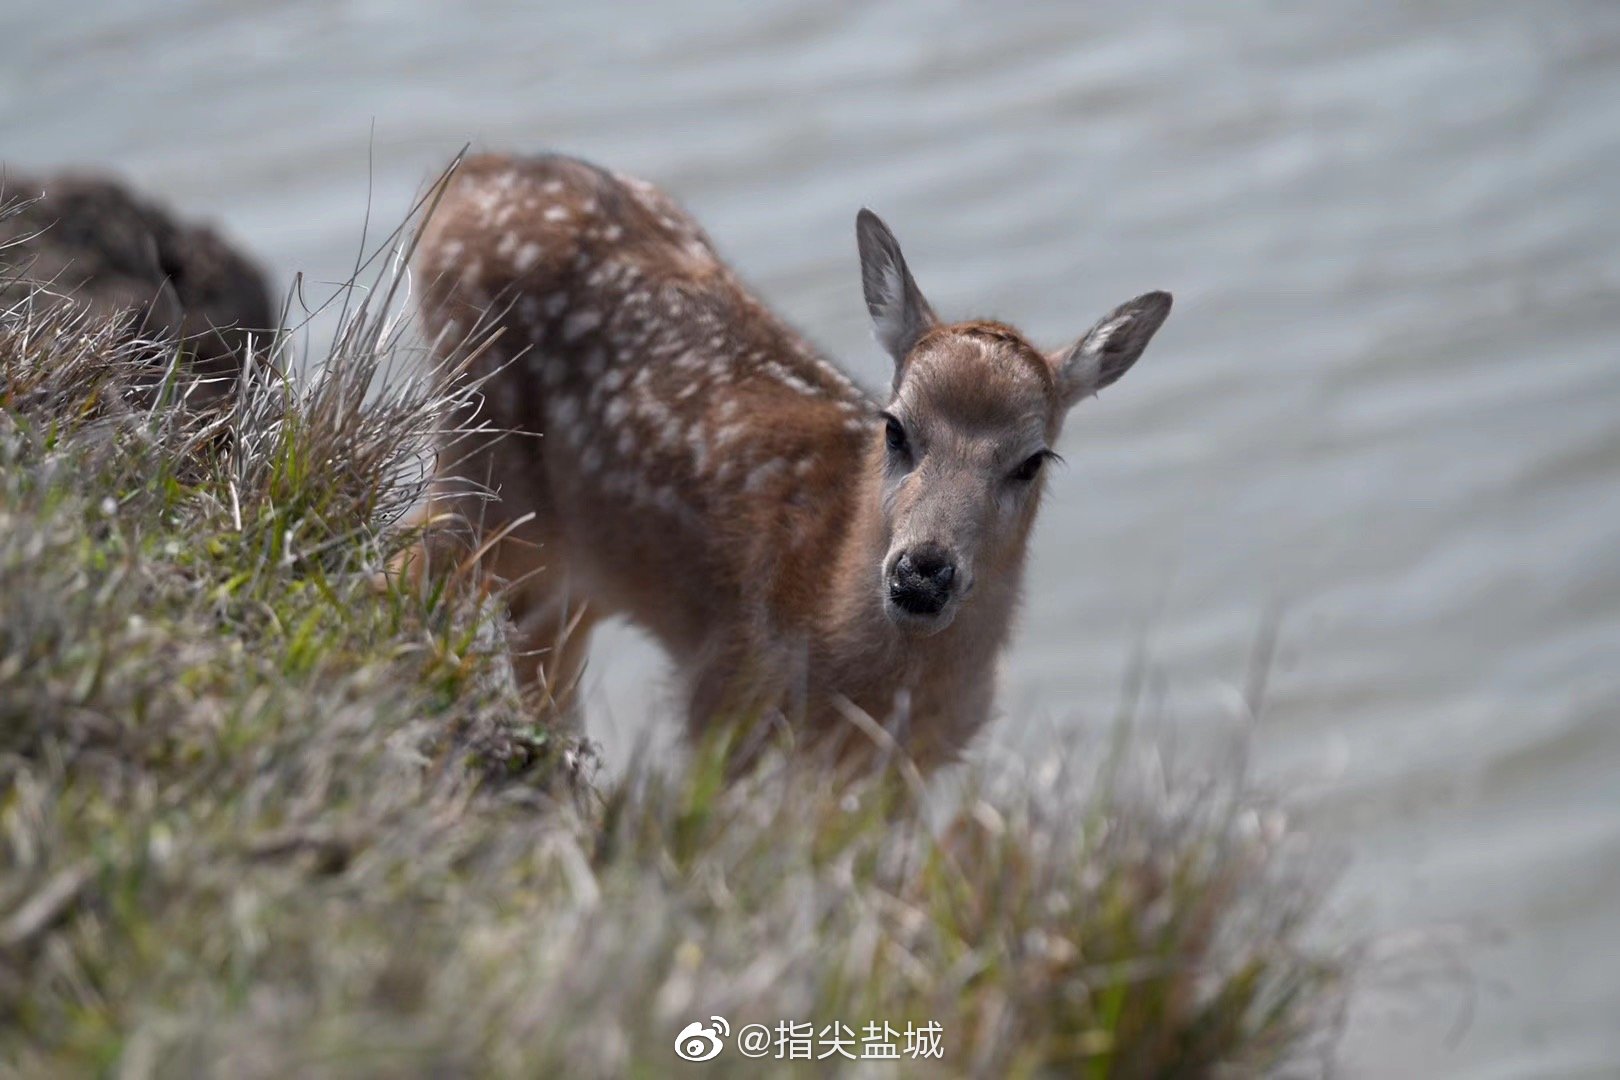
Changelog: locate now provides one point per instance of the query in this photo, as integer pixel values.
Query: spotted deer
(678, 455)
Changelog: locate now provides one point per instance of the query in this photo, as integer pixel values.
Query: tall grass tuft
(267, 811)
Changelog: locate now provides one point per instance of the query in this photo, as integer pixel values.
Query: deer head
(975, 412)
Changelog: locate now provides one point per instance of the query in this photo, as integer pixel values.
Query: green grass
(264, 813)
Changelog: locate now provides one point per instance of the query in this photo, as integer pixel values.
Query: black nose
(922, 578)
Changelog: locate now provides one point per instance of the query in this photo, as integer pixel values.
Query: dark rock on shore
(91, 242)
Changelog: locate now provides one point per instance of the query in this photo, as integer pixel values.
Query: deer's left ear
(1108, 349)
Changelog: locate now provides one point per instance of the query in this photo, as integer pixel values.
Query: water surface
(1386, 410)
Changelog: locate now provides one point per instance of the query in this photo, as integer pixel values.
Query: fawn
(800, 550)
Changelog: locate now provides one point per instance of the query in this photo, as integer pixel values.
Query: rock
(92, 242)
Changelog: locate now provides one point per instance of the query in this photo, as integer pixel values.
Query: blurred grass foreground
(263, 816)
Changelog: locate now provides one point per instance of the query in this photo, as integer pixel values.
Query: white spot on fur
(791, 381)
(579, 324)
(761, 476)
(526, 257)
(700, 449)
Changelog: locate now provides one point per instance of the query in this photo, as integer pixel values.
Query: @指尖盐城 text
(804, 1040)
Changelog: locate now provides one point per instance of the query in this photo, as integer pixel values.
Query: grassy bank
(259, 816)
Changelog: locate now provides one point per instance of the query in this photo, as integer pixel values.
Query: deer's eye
(1030, 468)
(895, 434)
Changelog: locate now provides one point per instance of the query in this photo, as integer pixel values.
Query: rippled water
(1386, 410)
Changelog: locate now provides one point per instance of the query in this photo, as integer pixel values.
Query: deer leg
(521, 564)
(737, 694)
(550, 644)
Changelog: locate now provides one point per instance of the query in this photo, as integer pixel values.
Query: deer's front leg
(738, 691)
(551, 639)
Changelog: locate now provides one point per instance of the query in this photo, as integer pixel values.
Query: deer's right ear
(899, 312)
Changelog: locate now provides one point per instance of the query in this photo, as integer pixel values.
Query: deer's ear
(1108, 349)
(899, 312)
